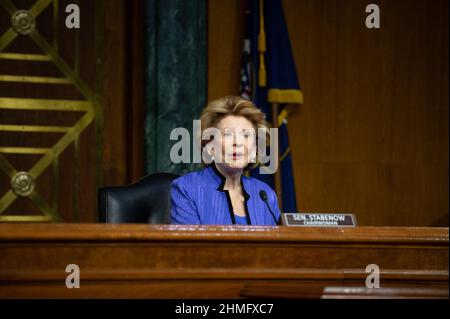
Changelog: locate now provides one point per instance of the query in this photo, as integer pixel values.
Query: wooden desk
(168, 261)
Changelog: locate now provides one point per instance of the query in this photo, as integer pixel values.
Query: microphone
(264, 197)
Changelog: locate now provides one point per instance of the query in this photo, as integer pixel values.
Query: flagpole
(277, 177)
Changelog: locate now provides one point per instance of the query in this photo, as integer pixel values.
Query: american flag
(246, 72)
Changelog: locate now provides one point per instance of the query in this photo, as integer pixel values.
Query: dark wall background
(106, 54)
(372, 135)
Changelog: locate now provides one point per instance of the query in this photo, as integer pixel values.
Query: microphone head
(263, 195)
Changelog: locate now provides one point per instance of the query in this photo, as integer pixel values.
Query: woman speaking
(220, 194)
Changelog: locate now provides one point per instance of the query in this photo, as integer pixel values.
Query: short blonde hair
(237, 106)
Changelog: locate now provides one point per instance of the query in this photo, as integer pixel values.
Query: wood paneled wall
(372, 135)
(108, 58)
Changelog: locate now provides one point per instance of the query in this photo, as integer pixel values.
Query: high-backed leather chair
(146, 201)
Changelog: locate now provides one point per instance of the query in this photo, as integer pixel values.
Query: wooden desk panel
(168, 261)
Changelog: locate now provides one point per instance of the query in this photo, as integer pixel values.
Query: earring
(253, 158)
(211, 153)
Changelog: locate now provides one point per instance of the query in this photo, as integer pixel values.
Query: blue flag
(268, 76)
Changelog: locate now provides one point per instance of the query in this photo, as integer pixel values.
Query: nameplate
(318, 220)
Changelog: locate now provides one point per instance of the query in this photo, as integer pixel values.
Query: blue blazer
(199, 198)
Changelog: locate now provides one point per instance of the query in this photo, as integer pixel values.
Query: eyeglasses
(239, 133)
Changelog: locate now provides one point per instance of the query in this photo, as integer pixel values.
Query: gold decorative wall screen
(23, 24)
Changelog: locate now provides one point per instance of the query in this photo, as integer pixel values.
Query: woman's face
(237, 142)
